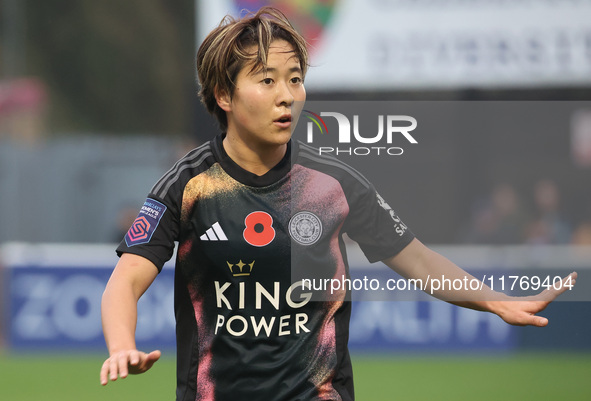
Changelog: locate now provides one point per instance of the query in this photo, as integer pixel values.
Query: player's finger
(151, 358)
(105, 373)
(134, 358)
(529, 319)
(154, 355)
(147, 360)
(122, 362)
(566, 283)
(113, 368)
(573, 276)
(538, 321)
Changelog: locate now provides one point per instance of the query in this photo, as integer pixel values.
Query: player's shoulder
(193, 163)
(311, 157)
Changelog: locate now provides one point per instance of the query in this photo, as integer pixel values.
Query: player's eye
(296, 80)
(267, 81)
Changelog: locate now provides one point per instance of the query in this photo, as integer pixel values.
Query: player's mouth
(284, 121)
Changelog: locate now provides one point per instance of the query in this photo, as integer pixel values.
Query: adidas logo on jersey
(214, 233)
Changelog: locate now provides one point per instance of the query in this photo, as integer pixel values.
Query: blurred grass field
(549, 376)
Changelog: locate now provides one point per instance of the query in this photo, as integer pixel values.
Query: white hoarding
(419, 44)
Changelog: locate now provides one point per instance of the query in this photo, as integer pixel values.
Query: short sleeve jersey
(247, 326)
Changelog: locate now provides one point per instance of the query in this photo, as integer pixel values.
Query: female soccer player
(254, 213)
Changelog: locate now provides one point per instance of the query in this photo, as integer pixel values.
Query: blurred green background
(540, 376)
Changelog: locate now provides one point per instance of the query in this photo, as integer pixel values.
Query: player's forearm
(119, 316)
(130, 279)
(435, 271)
(483, 298)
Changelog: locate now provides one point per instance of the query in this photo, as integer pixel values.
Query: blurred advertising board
(386, 45)
(51, 298)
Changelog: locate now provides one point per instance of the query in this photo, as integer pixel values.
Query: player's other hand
(521, 311)
(123, 363)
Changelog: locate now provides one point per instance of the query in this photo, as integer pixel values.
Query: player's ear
(223, 99)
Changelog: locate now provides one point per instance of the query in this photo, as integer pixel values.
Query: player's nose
(285, 95)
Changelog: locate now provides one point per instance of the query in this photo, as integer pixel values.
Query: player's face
(260, 111)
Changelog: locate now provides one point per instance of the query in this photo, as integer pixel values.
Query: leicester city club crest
(305, 228)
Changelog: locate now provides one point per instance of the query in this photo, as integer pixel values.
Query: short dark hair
(225, 51)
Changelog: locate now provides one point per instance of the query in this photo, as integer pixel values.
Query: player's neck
(255, 159)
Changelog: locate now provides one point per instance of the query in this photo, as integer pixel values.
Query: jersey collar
(245, 177)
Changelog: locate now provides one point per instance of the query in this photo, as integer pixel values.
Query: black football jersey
(247, 326)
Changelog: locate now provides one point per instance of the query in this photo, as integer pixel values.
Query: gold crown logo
(240, 268)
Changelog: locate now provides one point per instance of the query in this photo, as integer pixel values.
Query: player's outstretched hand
(127, 362)
(521, 311)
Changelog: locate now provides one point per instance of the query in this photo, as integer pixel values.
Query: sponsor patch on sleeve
(145, 224)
